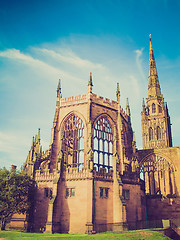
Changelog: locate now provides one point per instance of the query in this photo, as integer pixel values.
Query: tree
(16, 194)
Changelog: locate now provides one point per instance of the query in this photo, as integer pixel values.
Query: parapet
(108, 103)
(78, 99)
(73, 100)
(104, 101)
(45, 175)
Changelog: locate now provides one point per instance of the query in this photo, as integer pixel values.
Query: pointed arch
(151, 135)
(103, 142)
(160, 109)
(153, 108)
(158, 131)
(158, 173)
(73, 140)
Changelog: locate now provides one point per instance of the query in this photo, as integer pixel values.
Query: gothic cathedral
(92, 177)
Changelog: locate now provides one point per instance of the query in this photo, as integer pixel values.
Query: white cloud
(139, 54)
(15, 54)
(69, 57)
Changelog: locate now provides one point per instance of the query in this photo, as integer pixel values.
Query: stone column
(167, 185)
(146, 176)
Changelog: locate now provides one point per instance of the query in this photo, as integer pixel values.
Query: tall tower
(156, 127)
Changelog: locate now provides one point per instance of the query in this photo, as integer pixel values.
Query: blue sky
(42, 41)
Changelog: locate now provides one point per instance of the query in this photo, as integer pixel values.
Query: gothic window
(160, 109)
(158, 176)
(73, 142)
(150, 134)
(158, 133)
(103, 144)
(153, 108)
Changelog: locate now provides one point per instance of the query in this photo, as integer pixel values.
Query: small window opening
(70, 192)
(46, 195)
(126, 194)
(104, 192)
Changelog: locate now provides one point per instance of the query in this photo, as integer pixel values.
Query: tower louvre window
(150, 134)
(160, 109)
(153, 108)
(73, 142)
(158, 133)
(103, 143)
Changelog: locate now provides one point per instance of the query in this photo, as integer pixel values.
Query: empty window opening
(103, 144)
(73, 142)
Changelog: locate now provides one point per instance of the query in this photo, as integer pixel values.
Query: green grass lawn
(135, 235)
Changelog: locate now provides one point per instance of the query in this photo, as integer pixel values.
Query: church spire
(153, 86)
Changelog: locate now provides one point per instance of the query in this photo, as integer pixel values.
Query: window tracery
(103, 144)
(160, 109)
(158, 174)
(73, 142)
(150, 134)
(158, 133)
(153, 108)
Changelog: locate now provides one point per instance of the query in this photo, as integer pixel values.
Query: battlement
(44, 175)
(103, 174)
(104, 101)
(96, 99)
(108, 103)
(73, 100)
(75, 174)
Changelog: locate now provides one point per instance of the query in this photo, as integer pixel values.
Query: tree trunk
(3, 224)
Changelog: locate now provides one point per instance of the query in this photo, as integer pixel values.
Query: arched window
(150, 134)
(160, 109)
(73, 142)
(158, 133)
(153, 108)
(158, 175)
(103, 144)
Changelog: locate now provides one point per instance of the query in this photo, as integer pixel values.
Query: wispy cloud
(16, 55)
(139, 54)
(69, 57)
